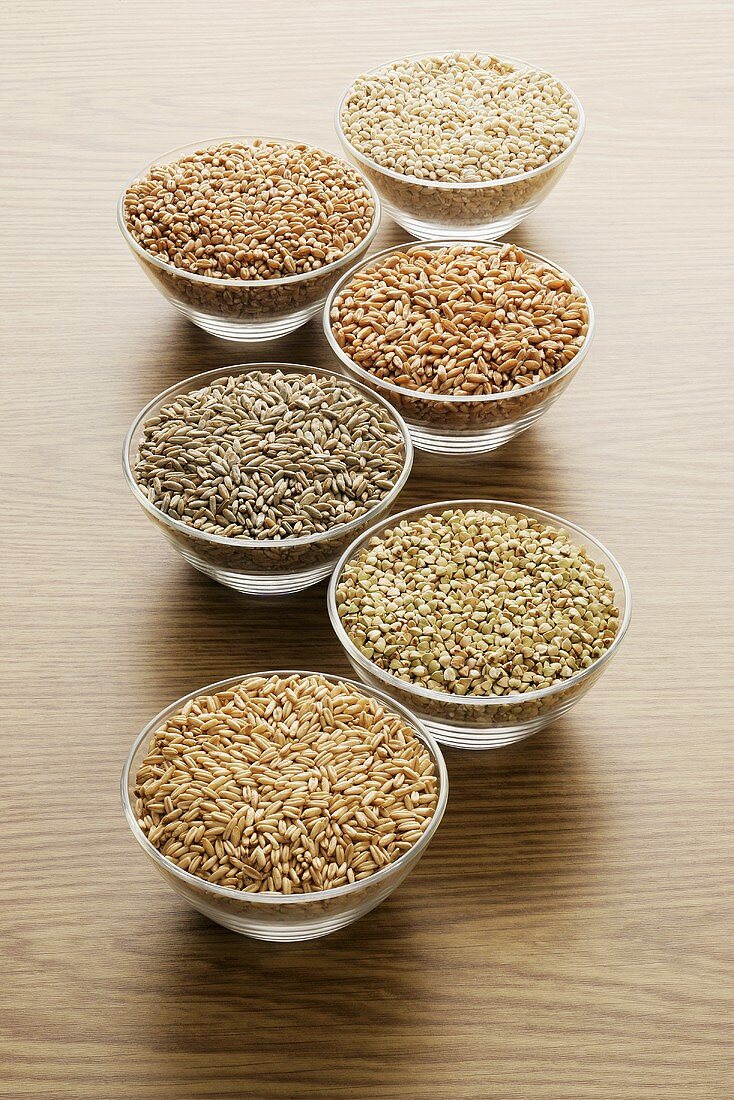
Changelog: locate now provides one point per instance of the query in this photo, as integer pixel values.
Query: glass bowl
(268, 915)
(241, 309)
(471, 722)
(462, 424)
(258, 567)
(429, 209)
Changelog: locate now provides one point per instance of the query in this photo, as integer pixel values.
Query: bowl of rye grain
(470, 341)
(487, 619)
(245, 236)
(284, 805)
(462, 143)
(261, 474)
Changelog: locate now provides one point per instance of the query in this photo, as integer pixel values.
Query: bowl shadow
(517, 842)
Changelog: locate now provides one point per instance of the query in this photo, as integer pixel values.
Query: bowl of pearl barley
(461, 143)
(488, 619)
(284, 805)
(261, 474)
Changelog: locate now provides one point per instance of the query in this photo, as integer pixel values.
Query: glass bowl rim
(444, 697)
(224, 284)
(269, 897)
(197, 380)
(468, 185)
(453, 398)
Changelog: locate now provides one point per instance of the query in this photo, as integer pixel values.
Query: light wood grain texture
(568, 934)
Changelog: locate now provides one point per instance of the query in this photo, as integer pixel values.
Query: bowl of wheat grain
(245, 236)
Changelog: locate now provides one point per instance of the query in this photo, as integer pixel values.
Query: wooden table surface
(568, 934)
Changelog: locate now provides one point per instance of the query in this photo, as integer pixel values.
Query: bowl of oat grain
(245, 236)
(284, 805)
(260, 474)
(460, 143)
(470, 341)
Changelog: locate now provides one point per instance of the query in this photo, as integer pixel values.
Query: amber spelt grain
(265, 210)
(462, 118)
(269, 455)
(464, 319)
(286, 783)
(480, 603)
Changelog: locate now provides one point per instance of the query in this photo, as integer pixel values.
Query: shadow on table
(521, 830)
(527, 820)
(518, 845)
(517, 840)
(178, 349)
(533, 468)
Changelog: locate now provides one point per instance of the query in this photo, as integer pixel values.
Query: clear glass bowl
(267, 915)
(258, 567)
(471, 722)
(458, 424)
(485, 210)
(241, 309)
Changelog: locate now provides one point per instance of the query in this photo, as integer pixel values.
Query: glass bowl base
(493, 737)
(260, 584)
(249, 330)
(479, 739)
(275, 933)
(445, 442)
(444, 231)
(282, 928)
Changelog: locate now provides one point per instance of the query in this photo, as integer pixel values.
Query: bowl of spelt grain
(261, 474)
(245, 236)
(487, 619)
(284, 805)
(461, 143)
(470, 341)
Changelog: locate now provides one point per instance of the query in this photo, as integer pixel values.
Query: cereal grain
(461, 319)
(259, 211)
(477, 603)
(459, 117)
(269, 455)
(290, 784)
